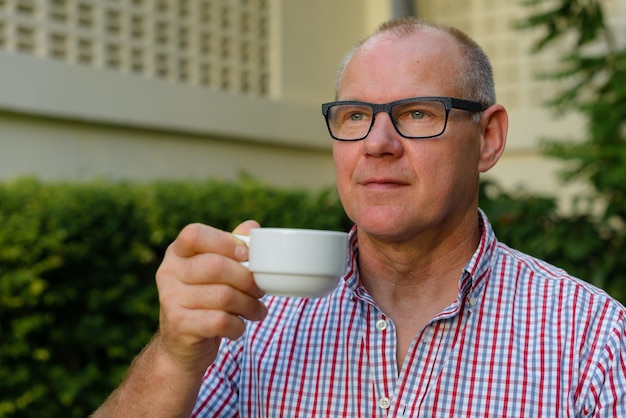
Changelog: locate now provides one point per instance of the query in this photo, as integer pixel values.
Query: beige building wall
(145, 89)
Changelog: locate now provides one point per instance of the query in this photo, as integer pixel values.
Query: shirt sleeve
(219, 393)
(606, 396)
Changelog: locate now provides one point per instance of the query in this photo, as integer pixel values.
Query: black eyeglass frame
(449, 103)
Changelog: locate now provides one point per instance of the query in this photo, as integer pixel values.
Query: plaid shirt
(523, 339)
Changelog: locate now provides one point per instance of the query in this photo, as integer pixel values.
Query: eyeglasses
(417, 117)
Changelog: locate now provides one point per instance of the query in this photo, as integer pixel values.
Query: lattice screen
(221, 44)
(490, 23)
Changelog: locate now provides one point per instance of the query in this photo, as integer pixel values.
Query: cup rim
(300, 230)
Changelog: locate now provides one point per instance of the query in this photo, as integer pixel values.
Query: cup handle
(246, 240)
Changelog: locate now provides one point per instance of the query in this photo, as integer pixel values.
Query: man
(434, 316)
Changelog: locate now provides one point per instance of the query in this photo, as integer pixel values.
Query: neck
(424, 271)
(413, 281)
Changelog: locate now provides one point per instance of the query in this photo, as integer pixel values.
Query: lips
(382, 183)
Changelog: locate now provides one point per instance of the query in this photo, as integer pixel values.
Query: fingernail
(241, 252)
(259, 293)
(262, 312)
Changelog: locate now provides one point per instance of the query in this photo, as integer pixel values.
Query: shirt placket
(381, 343)
(427, 356)
(420, 370)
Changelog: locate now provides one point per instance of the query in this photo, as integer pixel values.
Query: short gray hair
(474, 83)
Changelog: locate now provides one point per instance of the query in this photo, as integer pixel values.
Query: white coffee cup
(296, 262)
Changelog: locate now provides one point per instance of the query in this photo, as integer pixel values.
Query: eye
(351, 114)
(356, 116)
(421, 111)
(417, 115)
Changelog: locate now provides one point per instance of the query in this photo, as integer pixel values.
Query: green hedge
(77, 264)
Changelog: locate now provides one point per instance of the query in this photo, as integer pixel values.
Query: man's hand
(204, 293)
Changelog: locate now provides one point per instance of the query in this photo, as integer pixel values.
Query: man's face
(394, 188)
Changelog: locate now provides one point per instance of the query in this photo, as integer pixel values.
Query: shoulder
(518, 269)
(550, 291)
(524, 267)
(521, 278)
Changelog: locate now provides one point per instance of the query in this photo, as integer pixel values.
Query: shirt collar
(479, 267)
(472, 279)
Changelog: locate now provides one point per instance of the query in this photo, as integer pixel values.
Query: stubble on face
(416, 183)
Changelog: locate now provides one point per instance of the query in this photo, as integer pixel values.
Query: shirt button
(472, 301)
(381, 325)
(384, 402)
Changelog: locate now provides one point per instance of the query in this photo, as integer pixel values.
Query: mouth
(383, 184)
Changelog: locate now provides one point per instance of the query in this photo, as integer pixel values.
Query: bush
(77, 264)
(585, 246)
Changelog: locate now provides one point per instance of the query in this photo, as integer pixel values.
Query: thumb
(241, 251)
(245, 227)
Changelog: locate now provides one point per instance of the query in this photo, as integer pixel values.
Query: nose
(383, 139)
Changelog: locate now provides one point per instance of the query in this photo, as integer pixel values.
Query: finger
(178, 305)
(224, 324)
(201, 312)
(225, 298)
(203, 324)
(245, 227)
(204, 269)
(241, 251)
(198, 239)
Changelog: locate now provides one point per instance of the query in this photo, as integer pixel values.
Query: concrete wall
(55, 149)
(61, 120)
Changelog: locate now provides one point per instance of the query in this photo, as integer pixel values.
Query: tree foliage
(593, 72)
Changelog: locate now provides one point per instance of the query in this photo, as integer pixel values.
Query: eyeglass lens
(418, 119)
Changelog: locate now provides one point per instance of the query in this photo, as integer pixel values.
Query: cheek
(343, 163)
(344, 167)
(463, 171)
(445, 167)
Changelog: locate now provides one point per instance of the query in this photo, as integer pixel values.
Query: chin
(382, 223)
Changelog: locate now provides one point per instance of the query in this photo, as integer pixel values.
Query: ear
(494, 125)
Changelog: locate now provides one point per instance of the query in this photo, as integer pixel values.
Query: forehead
(425, 62)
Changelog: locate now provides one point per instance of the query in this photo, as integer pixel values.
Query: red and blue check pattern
(523, 339)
